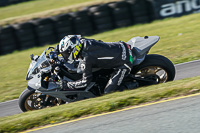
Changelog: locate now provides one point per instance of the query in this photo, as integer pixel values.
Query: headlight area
(30, 74)
(45, 64)
(36, 70)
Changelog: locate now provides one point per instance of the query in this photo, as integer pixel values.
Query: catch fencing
(91, 20)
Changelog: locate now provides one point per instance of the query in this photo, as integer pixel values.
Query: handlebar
(51, 48)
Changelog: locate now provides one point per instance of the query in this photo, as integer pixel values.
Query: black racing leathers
(98, 54)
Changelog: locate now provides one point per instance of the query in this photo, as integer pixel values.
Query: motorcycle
(45, 72)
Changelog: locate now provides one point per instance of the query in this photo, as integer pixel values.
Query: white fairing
(36, 69)
(141, 45)
(35, 82)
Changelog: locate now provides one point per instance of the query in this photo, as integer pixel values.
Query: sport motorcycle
(47, 70)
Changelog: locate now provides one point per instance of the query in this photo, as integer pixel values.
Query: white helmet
(70, 46)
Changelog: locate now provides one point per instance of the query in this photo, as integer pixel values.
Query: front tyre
(29, 100)
(155, 67)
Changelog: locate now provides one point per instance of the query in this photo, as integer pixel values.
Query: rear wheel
(155, 67)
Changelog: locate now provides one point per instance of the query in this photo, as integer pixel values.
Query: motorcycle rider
(96, 54)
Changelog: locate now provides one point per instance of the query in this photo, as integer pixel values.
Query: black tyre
(155, 67)
(143, 19)
(79, 18)
(25, 35)
(99, 8)
(30, 100)
(101, 14)
(63, 25)
(44, 28)
(23, 99)
(4, 3)
(8, 41)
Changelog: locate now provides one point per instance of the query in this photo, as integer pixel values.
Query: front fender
(29, 88)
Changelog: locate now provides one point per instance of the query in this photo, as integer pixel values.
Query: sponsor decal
(78, 49)
(122, 77)
(123, 51)
(78, 84)
(130, 53)
(179, 7)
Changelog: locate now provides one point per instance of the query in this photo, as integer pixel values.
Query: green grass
(42, 8)
(93, 106)
(178, 48)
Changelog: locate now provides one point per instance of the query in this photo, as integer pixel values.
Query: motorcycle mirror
(32, 57)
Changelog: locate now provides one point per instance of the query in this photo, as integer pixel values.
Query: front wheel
(31, 100)
(155, 67)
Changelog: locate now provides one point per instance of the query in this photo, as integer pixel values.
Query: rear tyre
(155, 67)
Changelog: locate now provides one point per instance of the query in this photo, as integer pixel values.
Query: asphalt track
(183, 70)
(178, 115)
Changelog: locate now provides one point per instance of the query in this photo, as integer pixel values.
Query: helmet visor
(74, 40)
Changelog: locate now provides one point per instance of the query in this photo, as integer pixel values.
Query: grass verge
(179, 42)
(99, 105)
(42, 8)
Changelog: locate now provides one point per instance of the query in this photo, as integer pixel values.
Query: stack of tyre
(121, 14)
(101, 18)
(63, 25)
(140, 11)
(8, 40)
(4, 2)
(9, 2)
(45, 31)
(25, 34)
(81, 22)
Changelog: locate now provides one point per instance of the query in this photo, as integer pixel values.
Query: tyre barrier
(26, 37)
(82, 23)
(91, 20)
(63, 25)
(8, 40)
(140, 11)
(101, 18)
(45, 31)
(4, 3)
(121, 14)
(10, 2)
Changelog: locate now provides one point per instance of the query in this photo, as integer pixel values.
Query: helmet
(70, 47)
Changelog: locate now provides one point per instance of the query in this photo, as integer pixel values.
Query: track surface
(184, 70)
(178, 116)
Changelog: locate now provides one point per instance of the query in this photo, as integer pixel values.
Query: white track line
(187, 62)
